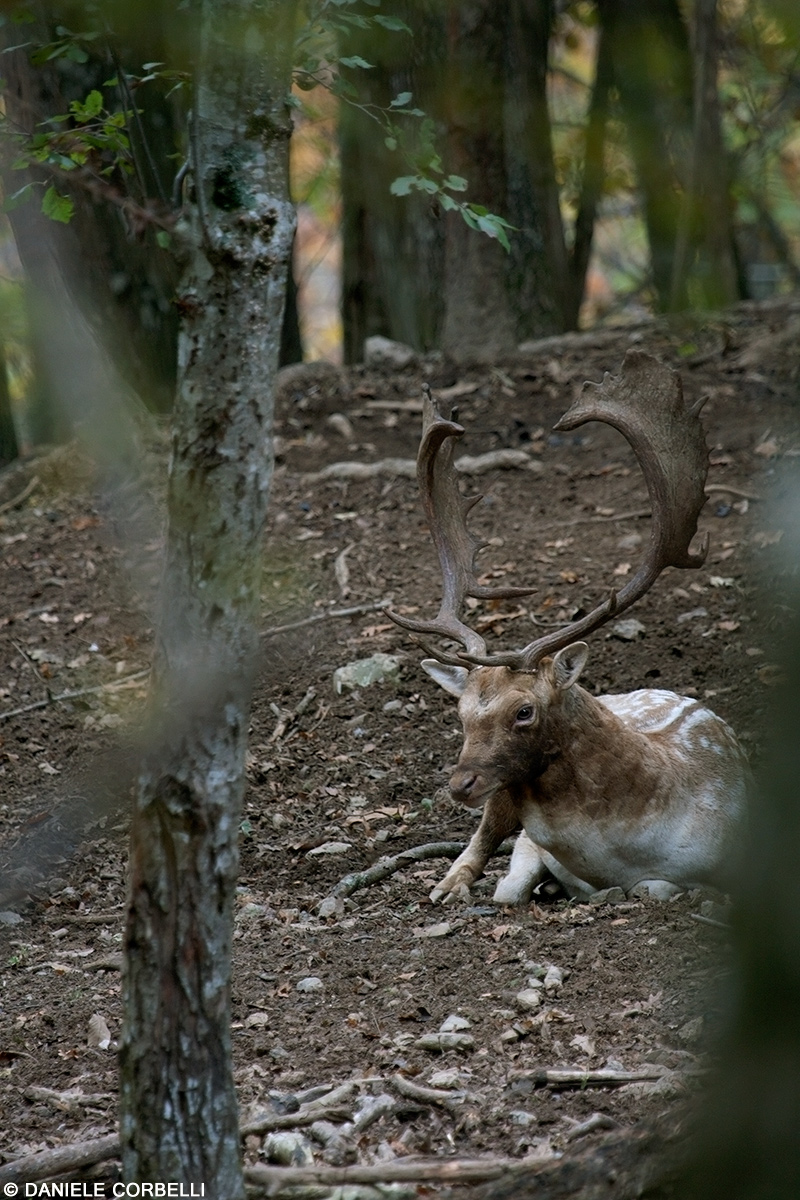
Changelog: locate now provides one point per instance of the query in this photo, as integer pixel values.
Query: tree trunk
(651, 63)
(705, 258)
(178, 1106)
(393, 249)
(592, 183)
(479, 71)
(499, 141)
(9, 447)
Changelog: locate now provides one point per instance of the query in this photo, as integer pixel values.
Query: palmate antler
(645, 403)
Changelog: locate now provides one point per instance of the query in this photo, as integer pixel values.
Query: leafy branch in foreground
(318, 64)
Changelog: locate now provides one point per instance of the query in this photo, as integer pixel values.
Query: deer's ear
(452, 679)
(568, 664)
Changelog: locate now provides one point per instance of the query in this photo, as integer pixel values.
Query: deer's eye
(524, 715)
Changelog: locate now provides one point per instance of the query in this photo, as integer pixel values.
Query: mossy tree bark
(179, 1116)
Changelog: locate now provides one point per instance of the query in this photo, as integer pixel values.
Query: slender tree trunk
(393, 249)
(705, 255)
(499, 141)
(421, 276)
(651, 62)
(178, 1107)
(592, 184)
(9, 447)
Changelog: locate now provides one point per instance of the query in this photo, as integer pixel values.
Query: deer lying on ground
(642, 791)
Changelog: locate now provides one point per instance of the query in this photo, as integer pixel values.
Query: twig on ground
(385, 867)
(354, 611)
(287, 716)
(15, 501)
(430, 1170)
(590, 1125)
(573, 1077)
(426, 1095)
(732, 491)
(59, 1160)
(704, 920)
(74, 695)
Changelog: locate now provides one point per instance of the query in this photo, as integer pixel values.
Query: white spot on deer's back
(650, 710)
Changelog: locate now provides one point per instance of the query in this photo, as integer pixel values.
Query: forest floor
(335, 781)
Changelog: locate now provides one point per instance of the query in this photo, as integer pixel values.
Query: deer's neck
(595, 760)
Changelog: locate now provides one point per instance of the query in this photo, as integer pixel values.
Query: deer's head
(509, 701)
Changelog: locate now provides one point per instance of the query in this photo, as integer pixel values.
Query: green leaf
(93, 105)
(456, 183)
(402, 100)
(355, 60)
(393, 23)
(390, 143)
(403, 185)
(57, 207)
(163, 239)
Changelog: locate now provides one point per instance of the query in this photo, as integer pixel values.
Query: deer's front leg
(498, 821)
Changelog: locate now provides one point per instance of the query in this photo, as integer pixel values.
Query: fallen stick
(272, 1123)
(604, 1077)
(425, 1095)
(430, 1170)
(15, 501)
(467, 464)
(373, 606)
(87, 691)
(58, 1161)
(385, 867)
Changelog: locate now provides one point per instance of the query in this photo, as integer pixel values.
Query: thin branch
(58, 1161)
(373, 606)
(430, 1170)
(15, 501)
(87, 691)
(389, 865)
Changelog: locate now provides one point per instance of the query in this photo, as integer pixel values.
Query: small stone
(383, 352)
(454, 1024)
(288, 1148)
(692, 1031)
(518, 1116)
(508, 1036)
(654, 889)
(612, 895)
(445, 1041)
(331, 848)
(529, 999)
(554, 979)
(378, 668)
(450, 1078)
(311, 983)
(10, 918)
(628, 630)
(442, 929)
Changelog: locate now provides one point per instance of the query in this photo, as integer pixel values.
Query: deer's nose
(463, 786)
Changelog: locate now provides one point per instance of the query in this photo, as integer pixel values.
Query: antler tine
(446, 512)
(645, 403)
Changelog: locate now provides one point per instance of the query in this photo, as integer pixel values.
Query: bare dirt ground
(337, 781)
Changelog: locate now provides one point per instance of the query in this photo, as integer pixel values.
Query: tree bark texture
(498, 139)
(705, 264)
(393, 248)
(9, 447)
(178, 1106)
(421, 275)
(652, 68)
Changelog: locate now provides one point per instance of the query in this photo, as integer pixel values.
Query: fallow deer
(642, 791)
